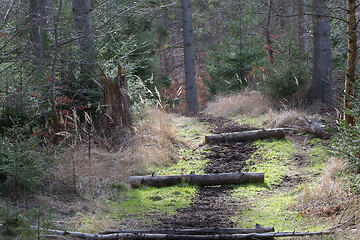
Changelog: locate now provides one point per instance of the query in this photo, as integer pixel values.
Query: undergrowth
(130, 208)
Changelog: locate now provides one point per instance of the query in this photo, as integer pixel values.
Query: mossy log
(201, 180)
(247, 136)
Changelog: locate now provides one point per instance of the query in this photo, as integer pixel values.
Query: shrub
(346, 145)
(22, 163)
(286, 77)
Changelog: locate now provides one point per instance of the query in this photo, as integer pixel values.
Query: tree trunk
(131, 235)
(202, 231)
(117, 102)
(303, 27)
(321, 89)
(83, 25)
(40, 10)
(201, 180)
(247, 136)
(55, 119)
(351, 60)
(268, 32)
(191, 96)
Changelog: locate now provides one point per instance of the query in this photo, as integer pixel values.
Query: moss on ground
(268, 204)
(149, 201)
(272, 158)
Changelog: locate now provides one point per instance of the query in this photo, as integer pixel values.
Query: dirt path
(213, 207)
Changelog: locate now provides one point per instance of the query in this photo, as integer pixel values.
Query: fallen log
(200, 231)
(130, 235)
(316, 129)
(201, 180)
(246, 136)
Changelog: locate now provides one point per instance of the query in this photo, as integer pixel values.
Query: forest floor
(302, 190)
(298, 193)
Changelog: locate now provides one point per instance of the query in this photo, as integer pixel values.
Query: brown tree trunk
(117, 101)
(55, 119)
(268, 32)
(191, 96)
(201, 180)
(246, 136)
(351, 60)
(201, 231)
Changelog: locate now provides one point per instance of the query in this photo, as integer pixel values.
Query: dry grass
(327, 187)
(289, 118)
(153, 142)
(328, 201)
(249, 103)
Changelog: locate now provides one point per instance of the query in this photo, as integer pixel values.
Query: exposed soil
(213, 207)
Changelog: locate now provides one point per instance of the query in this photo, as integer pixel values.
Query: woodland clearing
(302, 190)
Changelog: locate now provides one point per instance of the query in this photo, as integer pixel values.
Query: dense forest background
(57, 57)
(52, 53)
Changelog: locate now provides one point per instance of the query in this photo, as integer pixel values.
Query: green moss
(274, 211)
(272, 158)
(269, 205)
(144, 202)
(190, 160)
(252, 121)
(191, 130)
(318, 156)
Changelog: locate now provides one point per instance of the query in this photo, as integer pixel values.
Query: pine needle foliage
(346, 145)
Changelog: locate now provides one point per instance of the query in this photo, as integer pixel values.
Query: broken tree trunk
(246, 136)
(117, 101)
(201, 180)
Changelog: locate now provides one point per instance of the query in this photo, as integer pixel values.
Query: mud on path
(213, 207)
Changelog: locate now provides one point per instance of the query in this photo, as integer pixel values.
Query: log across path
(246, 136)
(201, 180)
(259, 232)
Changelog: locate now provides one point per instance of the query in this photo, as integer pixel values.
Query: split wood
(201, 180)
(246, 136)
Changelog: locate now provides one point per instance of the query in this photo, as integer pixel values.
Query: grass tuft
(249, 103)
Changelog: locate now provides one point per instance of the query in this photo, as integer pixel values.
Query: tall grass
(89, 167)
(249, 103)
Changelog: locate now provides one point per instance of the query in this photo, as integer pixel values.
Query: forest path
(214, 206)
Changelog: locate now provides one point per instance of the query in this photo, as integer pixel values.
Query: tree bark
(247, 136)
(201, 180)
(55, 119)
(117, 101)
(202, 231)
(191, 96)
(83, 25)
(268, 32)
(351, 60)
(40, 11)
(130, 235)
(321, 89)
(303, 27)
